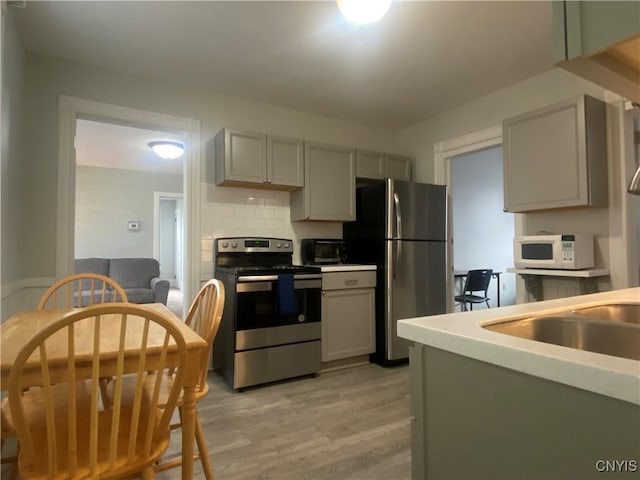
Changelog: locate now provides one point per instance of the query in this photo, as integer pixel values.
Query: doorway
(444, 152)
(168, 242)
(73, 109)
(482, 233)
(118, 212)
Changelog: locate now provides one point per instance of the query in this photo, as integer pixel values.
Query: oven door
(258, 302)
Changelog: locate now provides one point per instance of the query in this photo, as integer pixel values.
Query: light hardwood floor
(345, 424)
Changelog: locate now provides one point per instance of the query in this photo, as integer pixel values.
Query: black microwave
(322, 251)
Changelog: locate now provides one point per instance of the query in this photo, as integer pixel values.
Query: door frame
(71, 109)
(443, 152)
(157, 196)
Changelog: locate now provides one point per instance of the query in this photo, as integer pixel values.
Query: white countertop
(346, 267)
(462, 333)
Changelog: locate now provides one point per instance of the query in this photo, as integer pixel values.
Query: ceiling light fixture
(363, 11)
(167, 149)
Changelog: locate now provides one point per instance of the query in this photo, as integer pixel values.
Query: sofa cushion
(92, 265)
(140, 295)
(134, 272)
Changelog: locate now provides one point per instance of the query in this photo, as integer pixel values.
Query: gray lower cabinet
(251, 159)
(348, 314)
(556, 157)
(376, 166)
(329, 191)
(472, 419)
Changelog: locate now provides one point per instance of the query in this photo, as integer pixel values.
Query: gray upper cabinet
(397, 167)
(329, 185)
(251, 159)
(556, 157)
(369, 164)
(600, 41)
(376, 166)
(285, 161)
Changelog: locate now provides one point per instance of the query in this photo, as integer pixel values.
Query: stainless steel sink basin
(611, 336)
(617, 312)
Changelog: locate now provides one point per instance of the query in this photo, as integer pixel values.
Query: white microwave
(573, 251)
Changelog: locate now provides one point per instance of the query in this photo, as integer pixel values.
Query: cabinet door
(369, 165)
(329, 185)
(545, 160)
(285, 161)
(244, 156)
(348, 318)
(397, 167)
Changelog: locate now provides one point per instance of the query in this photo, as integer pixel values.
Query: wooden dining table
(15, 332)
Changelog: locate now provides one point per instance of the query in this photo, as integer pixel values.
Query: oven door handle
(272, 278)
(268, 285)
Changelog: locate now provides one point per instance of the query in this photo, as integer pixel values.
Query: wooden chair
(204, 318)
(66, 431)
(68, 292)
(81, 290)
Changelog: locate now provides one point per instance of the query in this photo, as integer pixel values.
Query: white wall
(482, 232)
(13, 67)
(253, 212)
(550, 87)
(47, 78)
(106, 199)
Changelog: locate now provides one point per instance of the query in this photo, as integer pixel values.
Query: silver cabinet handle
(351, 282)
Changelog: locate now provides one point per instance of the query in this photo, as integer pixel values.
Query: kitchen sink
(617, 312)
(608, 329)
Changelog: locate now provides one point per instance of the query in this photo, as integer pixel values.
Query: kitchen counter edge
(462, 334)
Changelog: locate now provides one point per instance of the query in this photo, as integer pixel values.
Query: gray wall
(13, 66)
(482, 232)
(106, 199)
(47, 78)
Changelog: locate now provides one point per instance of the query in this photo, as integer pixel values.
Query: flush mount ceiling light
(363, 11)
(167, 150)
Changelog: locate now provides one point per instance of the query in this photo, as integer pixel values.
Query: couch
(139, 277)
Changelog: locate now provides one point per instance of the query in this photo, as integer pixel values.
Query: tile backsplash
(235, 212)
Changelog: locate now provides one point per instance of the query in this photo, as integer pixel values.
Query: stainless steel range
(270, 327)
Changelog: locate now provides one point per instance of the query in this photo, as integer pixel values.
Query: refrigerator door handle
(396, 201)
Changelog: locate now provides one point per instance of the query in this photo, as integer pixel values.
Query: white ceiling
(117, 146)
(422, 58)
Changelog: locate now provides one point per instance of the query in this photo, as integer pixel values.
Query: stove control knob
(286, 245)
(234, 245)
(225, 244)
(278, 245)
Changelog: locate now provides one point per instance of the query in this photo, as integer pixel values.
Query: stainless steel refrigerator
(401, 227)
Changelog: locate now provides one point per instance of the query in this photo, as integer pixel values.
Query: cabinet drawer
(342, 280)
